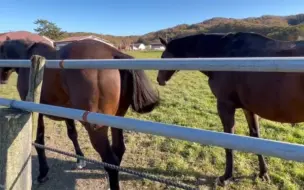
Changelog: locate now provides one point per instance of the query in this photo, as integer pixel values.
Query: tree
(49, 29)
(141, 40)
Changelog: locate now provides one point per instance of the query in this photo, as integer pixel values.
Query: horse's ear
(163, 41)
(7, 38)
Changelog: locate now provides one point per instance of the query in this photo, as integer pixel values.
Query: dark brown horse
(6, 72)
(108, 91)
(15, 49)
(274, 96)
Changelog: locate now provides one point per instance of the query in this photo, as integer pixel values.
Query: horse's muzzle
(161, 82)
(3, 81)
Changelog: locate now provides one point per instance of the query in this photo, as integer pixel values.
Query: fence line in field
(288, 151)
(284, 150)
(258, 64)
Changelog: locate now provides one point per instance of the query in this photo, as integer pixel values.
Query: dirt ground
(63, 175)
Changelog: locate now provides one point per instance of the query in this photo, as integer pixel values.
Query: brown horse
(16, 50)
(257, 93)
(5, 73)
(108, 91)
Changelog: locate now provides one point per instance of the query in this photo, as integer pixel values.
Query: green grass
(187, 101)
(144, 54)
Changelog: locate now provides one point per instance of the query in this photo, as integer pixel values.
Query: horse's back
(87, 49)
(276, 96)
(91, 89)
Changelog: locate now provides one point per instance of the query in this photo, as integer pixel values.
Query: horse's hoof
(41, 180)
(264, 177)
(81, 164)
(223, 181)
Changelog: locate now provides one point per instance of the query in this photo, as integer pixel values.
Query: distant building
(61, 43)
(25, 35)
(123, 47)
(157, 46)
(138, 46)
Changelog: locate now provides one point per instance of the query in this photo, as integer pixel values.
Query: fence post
(17, 129)
(35, 85)
(15, 149)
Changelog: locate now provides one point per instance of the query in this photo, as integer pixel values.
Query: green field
(145, 54)
(187, 101)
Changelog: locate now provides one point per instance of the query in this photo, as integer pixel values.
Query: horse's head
(190, 46)
(12, 49)
(165, 75)
(5, 73)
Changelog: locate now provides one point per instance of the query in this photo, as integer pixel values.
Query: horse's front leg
(43, 165)
(226, 111)
(73, 135)
(254, 131)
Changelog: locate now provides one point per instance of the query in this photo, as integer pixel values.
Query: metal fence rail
(288, 151)
(258, 64)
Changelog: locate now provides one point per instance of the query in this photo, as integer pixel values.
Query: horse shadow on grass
(63, 175)
(195, 179)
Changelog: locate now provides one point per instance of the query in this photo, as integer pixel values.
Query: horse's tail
(144, 97)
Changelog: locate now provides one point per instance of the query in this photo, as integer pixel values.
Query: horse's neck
(53, 54)
(207, 73)
(196, 55)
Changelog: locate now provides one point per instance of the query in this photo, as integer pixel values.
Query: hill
(278, 27)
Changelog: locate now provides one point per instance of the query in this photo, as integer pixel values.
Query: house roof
(77, 38)
(73, 38)
(25, 35)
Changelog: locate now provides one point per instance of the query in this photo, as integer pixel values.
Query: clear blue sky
(133, 17)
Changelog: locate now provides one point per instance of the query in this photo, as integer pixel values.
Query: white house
(61, 43)
(138, 46)
(157, 46)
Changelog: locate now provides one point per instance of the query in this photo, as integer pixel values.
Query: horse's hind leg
(99, 139)
(43, 166)
(118, 144)
(100, 92)
(253, 124)
(72, 133)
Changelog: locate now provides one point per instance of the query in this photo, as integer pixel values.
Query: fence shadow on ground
(198, 179)
(63, 175)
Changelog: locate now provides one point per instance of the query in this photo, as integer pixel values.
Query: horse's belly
(282, 117)
(285, 112)
(274, 96)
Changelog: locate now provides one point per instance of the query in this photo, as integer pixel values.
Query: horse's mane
(42, 49)
(16, 43)
(223, 35)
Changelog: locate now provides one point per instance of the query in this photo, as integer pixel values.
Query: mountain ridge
(289, 27)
